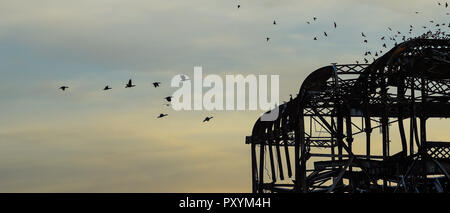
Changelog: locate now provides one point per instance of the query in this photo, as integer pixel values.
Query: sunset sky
(89, 140)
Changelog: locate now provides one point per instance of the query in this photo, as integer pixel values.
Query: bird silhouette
(365, 60)
(314, 18)
(239, 6)
(335, 25)
(107, 87)
(184, 78)
(365, 41)
(363, 35)
(325, 33)
(315, 38)
(267, 39)
(168, 98)
(274, 22)
(129, 84)
(63, 88)
(308, 22)
(156, 84)
(207, 119)
(162, 115)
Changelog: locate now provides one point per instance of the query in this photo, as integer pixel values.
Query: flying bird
(168, 98)
(156, 84)
(363, 35)
(107, 87)
(207, 119)
(365, 41)
(325, 33)
(308, 22)
(314, 18)
(162, 115)
(129, 84)
(239, 6)
(274, 22)
(335, 25)
(183, 78)
(315, 38)
(63, 88)
(267, 39)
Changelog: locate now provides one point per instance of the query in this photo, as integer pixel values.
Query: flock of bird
(130, 84)
(397, 36)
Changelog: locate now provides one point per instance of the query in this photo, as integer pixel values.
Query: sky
(89, 140)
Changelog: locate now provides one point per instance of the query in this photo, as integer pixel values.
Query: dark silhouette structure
(361, 127)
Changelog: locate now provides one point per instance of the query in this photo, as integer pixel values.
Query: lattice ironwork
(410, 82)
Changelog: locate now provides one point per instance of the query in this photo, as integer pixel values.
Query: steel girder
(410, 82)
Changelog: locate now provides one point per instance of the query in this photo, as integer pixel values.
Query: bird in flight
(168, 98)
(207, 119)
(314, 18)
(308, 22)
(107, 87)
(156, 84)
(363, 35)
(267, 39)
(162, 115)
(274, 22)
(315, 38)
(129, 84)
(183, 78)
(365, 41)
(239, 6)
(63, 88)
(335, 25)
(325, 33)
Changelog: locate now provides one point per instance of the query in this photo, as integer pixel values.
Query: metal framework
(313, 146)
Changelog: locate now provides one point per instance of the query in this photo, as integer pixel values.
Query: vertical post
(270, 144)
(384, 121)
(423, 118)
(301, 181)
(412, 118)
(298, 139)
(261, 166)
(286, 146)
(277, 146)
(254, 168)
